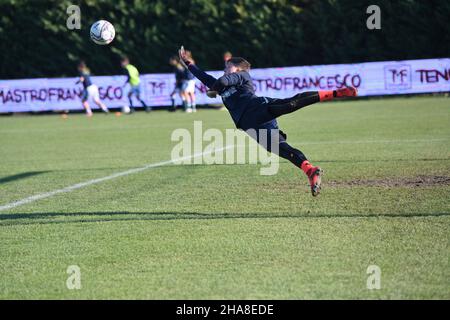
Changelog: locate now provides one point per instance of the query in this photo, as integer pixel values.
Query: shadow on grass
(54, 217)
(25, 175)
(232, 164)
(19, 176)
(381, 160)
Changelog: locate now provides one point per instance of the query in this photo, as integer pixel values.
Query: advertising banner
(371, 79)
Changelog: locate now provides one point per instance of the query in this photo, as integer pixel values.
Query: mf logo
(397, 77)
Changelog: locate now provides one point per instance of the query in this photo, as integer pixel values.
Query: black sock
(293, 155)
(295, 103)
(284, 149)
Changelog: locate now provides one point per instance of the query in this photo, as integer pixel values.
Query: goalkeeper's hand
(185, 61)
(211, 94)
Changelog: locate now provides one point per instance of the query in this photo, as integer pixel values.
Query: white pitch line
(94, 181)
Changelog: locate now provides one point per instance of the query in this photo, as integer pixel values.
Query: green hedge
(35, 42)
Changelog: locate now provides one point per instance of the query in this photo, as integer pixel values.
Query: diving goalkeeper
(252, 112)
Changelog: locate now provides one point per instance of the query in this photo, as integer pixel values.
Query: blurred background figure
(180, 82)
(189, 92)
(227, 56)
(90, 90)
(135, 84)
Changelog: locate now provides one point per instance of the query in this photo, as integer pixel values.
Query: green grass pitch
(225, 231)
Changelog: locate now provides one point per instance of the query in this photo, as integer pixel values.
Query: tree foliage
(35, 41)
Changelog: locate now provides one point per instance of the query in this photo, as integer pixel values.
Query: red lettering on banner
(118, 93)
(314, 82)
(287, 82)
(433, 75)
(298, 84)
(18, 97)
(61, 95)
(51, 93)
(356, 80)
(44, 95)
(33, 95)
(9, 96)
(110, 93)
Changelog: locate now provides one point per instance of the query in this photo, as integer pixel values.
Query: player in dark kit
(90, 90)
(252, 112)
(180, 82)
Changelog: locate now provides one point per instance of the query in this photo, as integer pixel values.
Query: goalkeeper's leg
(279, 107)
(286, 151)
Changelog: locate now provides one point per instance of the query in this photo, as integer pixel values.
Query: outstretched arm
(201, 75)
(228, 80)
(205, 78)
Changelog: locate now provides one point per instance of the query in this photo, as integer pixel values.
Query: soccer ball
(102, 32)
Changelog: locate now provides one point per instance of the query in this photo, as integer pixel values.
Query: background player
(180, 82)
(189, 91)
(227, 55)
(90, 90)
(252, 112)
(135, 84)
